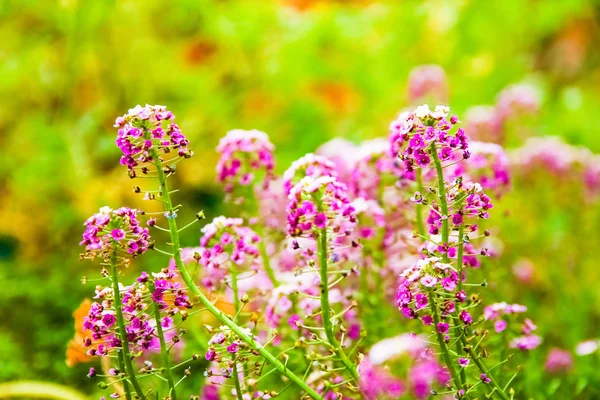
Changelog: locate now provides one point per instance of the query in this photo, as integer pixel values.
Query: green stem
(165, 352)
(442, 198)
(121, 324)
(459, 261)
(484, 370)
(262, 248)
(420, 224)
(122, 369)
(262, 245)
(236, 303)
(445, 241)
(325, 309)
(236, 380)
(441, 341)
(168, 206)
(236, 294)
(459, 256)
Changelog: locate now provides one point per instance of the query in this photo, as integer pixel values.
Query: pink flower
(443, 327)
(429, 281)
(145, 128)
(500, 325)
(558, 361)
(528, 342)
(100, 243)
(427, 81)
(243, 156)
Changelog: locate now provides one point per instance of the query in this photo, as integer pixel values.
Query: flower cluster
(318, 203)
(376, 383)
(470, 202)
(427, 81)
(517, 100)
(483, 124)
(566, 163)
(417, 135)
(374, 169)
(136, 299)
(488, 165)
(310, 165)
(419, 280)
(227, 354)
(148, 132)
(243, 154)
(114, 231)
(227, 240)
(501, 315)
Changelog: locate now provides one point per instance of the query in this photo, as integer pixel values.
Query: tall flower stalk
(314, 295)
(424, 139)
(143, 125)
(131, 375)
(325, 307)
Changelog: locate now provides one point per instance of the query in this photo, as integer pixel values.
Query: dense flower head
(420, 278)
(271, 205)
(148, 128)
(317, 203)
(488, 165)
(517, 100)
(427, 81)
(374, 169)
(114, 230)
(225, 344)
(550, 154)
(162, 288)
(371, 218)
(243, 155)
(227, 240)
(376, 383)
(415, 135)
(483, 123)
(471, 203)
(343, 154)
(308, 165)
(425, 374)
(558, 361)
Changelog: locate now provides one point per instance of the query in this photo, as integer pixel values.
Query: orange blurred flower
(76, 353)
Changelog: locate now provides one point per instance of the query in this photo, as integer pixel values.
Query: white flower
(586, 348)
(441, 112)
(422, 111)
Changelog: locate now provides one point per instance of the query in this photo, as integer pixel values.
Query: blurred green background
(304, 71)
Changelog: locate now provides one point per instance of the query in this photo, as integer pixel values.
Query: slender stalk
(122, 369)
(236, 380)
(325, 309)
(459, 266)
(122, 330)
(420, 224)
(459, 256)
(484, 370)
(441, 342)
(236, 301)
(165, 352)
(262, 248)
(445, 238)
(442, 198)
(236, 294)
(168, 207)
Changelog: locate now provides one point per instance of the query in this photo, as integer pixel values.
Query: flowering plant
(295, 282)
